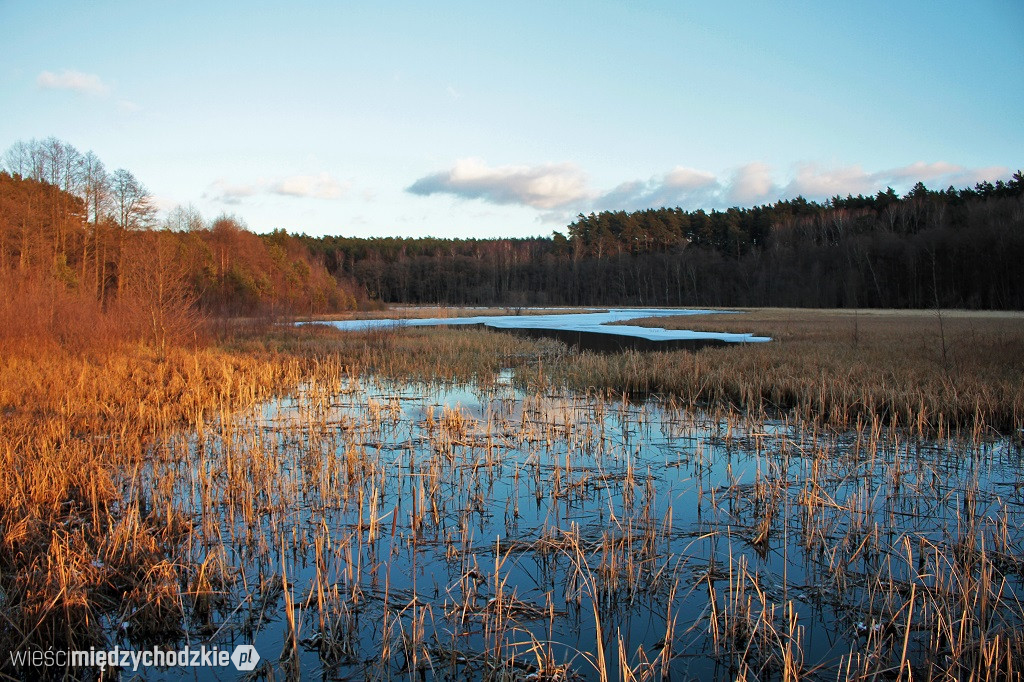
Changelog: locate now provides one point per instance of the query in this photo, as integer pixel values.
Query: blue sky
(506, 119)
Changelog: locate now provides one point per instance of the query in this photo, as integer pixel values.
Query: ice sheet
(597, 322)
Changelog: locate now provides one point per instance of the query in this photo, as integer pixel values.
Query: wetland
(418, 503)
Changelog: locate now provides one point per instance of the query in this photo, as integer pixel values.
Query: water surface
(597, 322)
(461, 531)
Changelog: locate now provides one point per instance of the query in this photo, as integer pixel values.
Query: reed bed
(436, 504)
(407, 312)
(79, 538)
(416, 354)
(932, 370)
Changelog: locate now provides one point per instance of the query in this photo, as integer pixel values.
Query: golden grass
(928, 370)
(74, 535)
(78, 533)
(410, 312)
(414, 353)
(93, 464)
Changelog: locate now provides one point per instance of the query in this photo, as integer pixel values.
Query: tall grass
(912, 369)
(78, 538)
(413, 353)
(151, 489)
(82, 405)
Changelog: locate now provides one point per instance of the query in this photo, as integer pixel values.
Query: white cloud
(751, 184)
(690, 179)
(921, 171)
(225, 192)
(969, 177)
(546, 186)
(560, 191)
(85, 83)
(813, 181)
(680, 186)
(322, 186)
(128, 107)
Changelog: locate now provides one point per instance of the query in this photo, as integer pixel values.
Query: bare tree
(62, 165)
(62, 169)
(184, 218)
(18, 159)
(133, 210)
(52, 160)
(157, 294)
(27, 159)
(56, 163)
(132, 203)
(96, 192)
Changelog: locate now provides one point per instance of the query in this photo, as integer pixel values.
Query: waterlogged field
(380, 529)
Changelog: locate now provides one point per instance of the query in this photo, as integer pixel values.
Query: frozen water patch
(590, 322)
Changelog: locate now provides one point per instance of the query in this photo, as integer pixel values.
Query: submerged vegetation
(405, 502)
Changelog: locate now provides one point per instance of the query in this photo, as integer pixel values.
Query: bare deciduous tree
(96, 193)
(157, 293)
(184, 218)
(133, 210)
(132, 203)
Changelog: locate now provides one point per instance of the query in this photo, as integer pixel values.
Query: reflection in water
(377, 528)
(582, 323)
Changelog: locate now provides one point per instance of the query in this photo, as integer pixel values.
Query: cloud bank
(322, 186)
(547, 186)
(560, 190)
(76, 81)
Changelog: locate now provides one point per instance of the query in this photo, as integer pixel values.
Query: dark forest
(66, 222)
(952, 248)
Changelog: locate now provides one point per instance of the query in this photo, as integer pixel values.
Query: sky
(479, 119)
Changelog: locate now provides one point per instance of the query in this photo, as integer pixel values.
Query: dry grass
(80, 535)
(932, 371)
(76, 535)
(153, 489)
(416, 353)
(410, 312)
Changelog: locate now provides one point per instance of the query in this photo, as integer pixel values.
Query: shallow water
(596, 322)
(458, 531)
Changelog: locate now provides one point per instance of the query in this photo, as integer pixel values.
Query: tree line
(948, 248)
(76, 237)
(69, 227)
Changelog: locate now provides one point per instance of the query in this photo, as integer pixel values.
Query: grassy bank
(412, 312)
(928, 370)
